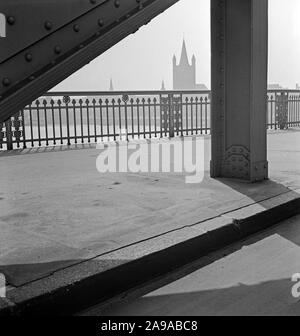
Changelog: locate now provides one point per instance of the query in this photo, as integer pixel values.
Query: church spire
(184, 57)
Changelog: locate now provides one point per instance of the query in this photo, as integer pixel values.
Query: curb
(99, 280)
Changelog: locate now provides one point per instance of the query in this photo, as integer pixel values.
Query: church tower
(184, 74)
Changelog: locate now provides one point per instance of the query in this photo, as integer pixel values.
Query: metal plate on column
(237, 162)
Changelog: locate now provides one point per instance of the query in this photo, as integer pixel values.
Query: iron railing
(66, 118)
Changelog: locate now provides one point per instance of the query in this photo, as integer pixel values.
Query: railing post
(67, 100)
(164, 115)
(9, 134)
(171, 117)
(282, 110)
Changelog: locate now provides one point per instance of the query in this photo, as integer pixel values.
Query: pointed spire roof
(184, 57)
(111, 85)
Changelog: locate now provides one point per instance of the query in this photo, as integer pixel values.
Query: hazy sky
(143, 60)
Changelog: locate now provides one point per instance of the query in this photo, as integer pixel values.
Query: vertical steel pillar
(239, 31)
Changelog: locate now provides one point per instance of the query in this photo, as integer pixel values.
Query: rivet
(11, 20)
(76, 28)
(31, 78)
(28, 57)
(93, 1)
(57, 49)
(100, 22)
(117, 3)
(48, 25)
(6, 81)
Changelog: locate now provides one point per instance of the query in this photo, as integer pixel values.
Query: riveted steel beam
(239, 89)
(47, 41)
(29, 21)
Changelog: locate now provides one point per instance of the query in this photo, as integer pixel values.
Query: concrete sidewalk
(58, 211)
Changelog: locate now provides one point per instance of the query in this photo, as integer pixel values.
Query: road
(248, 278)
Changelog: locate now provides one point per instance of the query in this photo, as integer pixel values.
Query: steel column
(9, 135)
(239, 89)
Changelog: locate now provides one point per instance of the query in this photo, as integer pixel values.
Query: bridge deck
(57, 210)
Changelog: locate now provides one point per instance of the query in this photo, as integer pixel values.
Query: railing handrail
(142, 92)
(121, 93)
(284, 90)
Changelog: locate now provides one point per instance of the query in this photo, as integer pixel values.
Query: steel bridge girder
(42, 48)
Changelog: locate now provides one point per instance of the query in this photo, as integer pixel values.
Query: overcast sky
(143, 60)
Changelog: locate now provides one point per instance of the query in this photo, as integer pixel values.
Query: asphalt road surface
(253, 277)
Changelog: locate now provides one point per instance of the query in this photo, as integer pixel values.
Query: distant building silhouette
(297, 87)
(48, 99)
(274, 87)
(111, 85)
(184, 74)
